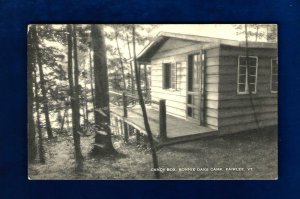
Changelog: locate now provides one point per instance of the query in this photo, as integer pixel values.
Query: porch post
(203, 89)
(162, 120)
(125, 116)
(138, 137)
(146, 77)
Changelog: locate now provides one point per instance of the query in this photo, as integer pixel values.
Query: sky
(224, 31)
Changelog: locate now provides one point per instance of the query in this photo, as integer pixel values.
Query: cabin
(206, 81)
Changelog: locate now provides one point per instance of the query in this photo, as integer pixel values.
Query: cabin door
(193, 87)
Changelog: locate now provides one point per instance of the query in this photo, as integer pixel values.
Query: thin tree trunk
(103, 141)
(256, 35)
(86, 103)
(38, 121)
(74, 99)
(248, 77)
(131, 67)
(142, 104)
(42, 82)
(120, 60)
(77, 102)
(139, 70)
(67, 119)
(268, 39)
(32, 150)
(63, 119)
(59, 116)
(83, 113)
(92, 82)
(76, 76)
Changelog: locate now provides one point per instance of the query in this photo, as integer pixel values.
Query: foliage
(256, 32)
(124, 35)
(53, 75)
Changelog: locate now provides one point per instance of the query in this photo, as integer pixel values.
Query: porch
(165, 128)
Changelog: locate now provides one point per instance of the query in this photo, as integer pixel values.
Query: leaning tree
(143, 107)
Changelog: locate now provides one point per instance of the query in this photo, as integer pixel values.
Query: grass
(255, 150)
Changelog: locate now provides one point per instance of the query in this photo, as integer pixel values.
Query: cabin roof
(208, 42)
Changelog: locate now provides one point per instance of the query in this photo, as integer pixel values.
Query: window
(274, 75)
(247, 77)
(194, 72)
(197, 65)
(166, 76)
(169, 76)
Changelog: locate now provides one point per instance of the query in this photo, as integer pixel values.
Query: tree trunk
(76, 80)
(103, 141)
(32, 151)
(38, 121)
(267, 34)
(120, 59)
(67, 119)
(77, 103)
(86, 103)
(42, 82)
(92, 83)
(142, 104)
(131, 67)
(83, 114)
(63, 119)
(59, 117)
(74, 98)
(256, 34)
(248, 77)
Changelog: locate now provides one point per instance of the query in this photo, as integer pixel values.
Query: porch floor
(176, 127)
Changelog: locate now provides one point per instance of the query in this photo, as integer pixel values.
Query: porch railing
(126, 100)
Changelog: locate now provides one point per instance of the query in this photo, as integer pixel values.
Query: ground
(256, 151)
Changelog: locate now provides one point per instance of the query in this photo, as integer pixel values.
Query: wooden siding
(235, 111)
(212, 87)
(176, 99)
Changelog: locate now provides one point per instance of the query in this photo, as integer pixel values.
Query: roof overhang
(208, 42)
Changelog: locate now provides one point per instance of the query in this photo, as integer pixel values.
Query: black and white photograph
(152, 101)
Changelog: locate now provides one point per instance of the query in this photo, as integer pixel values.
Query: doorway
(194, 87)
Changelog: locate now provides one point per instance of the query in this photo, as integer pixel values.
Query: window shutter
(173, 76)
(163, 76)
(178, 75)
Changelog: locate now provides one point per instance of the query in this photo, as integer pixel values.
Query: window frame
(271, 78)
(172, 76)
(246, 78)
(173, 82)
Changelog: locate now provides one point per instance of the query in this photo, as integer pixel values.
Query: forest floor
(238, 156)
